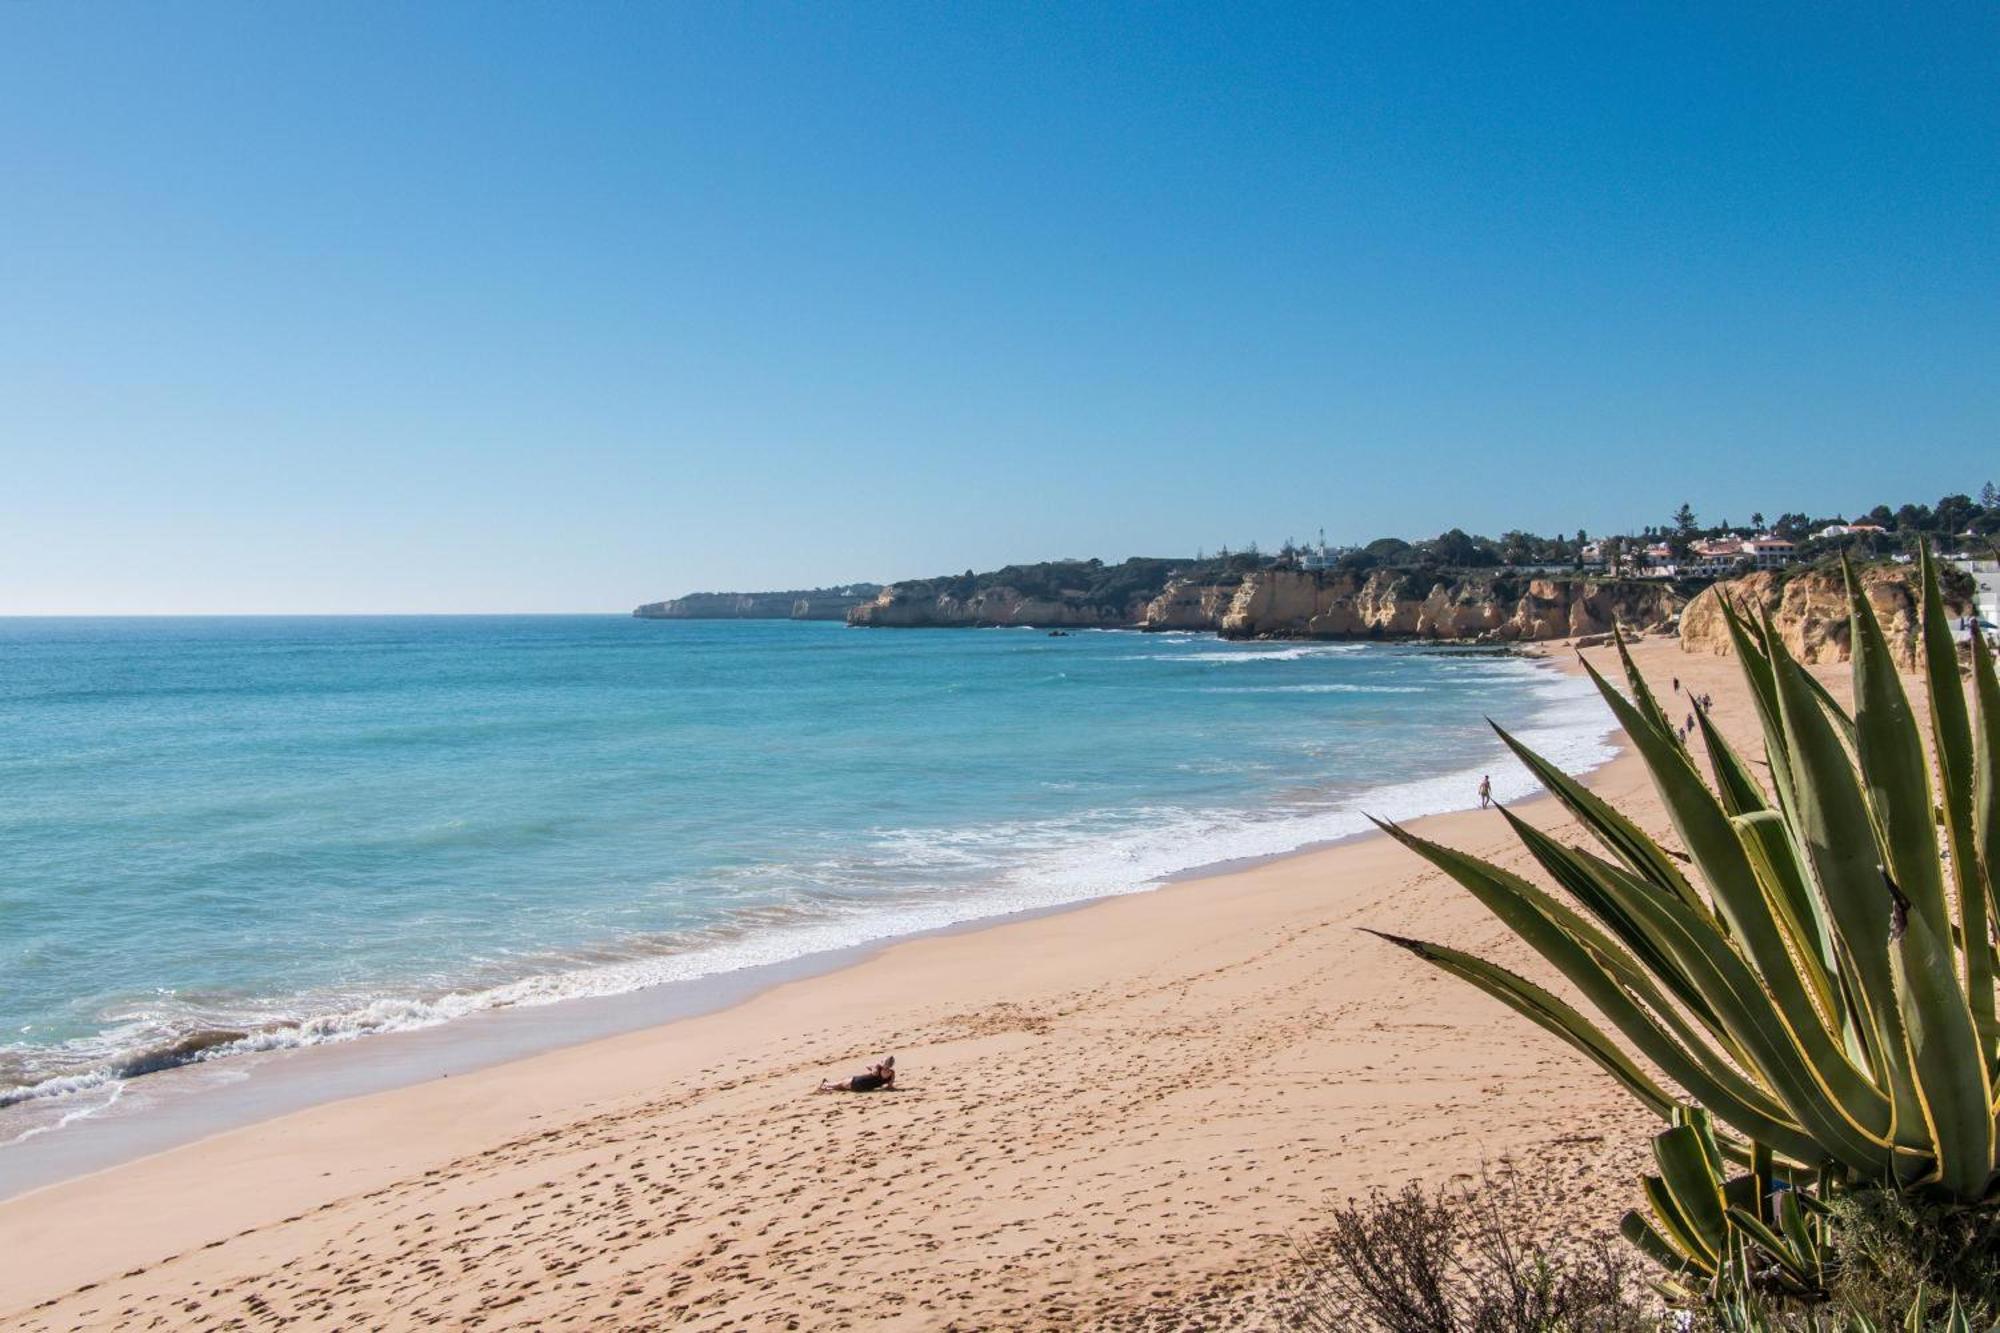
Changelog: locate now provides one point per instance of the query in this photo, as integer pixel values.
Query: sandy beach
(1115, 1116)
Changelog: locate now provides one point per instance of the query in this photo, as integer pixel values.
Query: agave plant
(1756, 1229)
(1813, 964)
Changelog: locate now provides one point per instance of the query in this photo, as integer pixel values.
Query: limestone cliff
(1808, 607)
(797, 604)
(1481, 606)
(901, 607)
(1189, 604)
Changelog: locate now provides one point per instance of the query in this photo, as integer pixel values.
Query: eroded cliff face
(1477, 606)
(1290, 603)
(1187, 605)
(1809, 610)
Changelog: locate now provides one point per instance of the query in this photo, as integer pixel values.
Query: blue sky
(428, 307)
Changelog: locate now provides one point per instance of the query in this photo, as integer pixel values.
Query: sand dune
(1113, 1117)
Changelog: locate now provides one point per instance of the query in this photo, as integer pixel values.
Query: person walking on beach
(1485, 791)
(877, 1078)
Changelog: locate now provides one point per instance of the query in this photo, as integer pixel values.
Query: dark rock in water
(176, 1053)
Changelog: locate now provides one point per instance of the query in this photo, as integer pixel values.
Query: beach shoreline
(279, 1072)
(1230, 1022)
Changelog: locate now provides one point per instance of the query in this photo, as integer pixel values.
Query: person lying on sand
(877, 1078)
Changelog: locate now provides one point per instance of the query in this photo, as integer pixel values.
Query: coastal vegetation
(1089, 583)
(1453, 1261)
(1803, 990)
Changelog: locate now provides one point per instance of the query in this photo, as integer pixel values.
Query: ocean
(226, 836)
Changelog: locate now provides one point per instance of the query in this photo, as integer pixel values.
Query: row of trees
(1946, 523)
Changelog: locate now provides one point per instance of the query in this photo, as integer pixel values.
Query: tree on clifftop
(1460, 549)
(1954, 514)
(1680, 540)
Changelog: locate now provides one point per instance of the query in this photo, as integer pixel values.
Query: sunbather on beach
(876, 1079)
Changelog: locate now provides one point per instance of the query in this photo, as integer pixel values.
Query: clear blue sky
(419, 306)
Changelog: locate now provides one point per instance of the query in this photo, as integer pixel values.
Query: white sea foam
(1328, 687)
(1258, 653)
(71, 1115)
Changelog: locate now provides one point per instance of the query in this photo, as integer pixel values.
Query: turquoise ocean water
(222, 836)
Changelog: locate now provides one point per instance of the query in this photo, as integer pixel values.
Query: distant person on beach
(877, 1078)
(1485, 791)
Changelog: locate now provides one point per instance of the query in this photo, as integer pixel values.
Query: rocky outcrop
(798, 604)
(1188, 604)
(1808, 608)
(1480, 606)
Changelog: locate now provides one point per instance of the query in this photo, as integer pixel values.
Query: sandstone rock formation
(1808, 607)
(1481, 606)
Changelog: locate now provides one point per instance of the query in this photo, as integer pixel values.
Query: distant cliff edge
(798, 604)
(1242, 600)
(1245, 597)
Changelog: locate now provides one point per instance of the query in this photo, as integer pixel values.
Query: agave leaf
(1702, 1121)
(1593, 881)
(1546, 1011)
(1944, 1051)
(1796, 908)
(1636, 1010)
(1842, 720)
(1523, 908)
(1892, 764)
(1734, 782)
(1756, 1031)
(1646, 1238)
(1620, 836)
(1952, 743)
(1695, 1185)
(1680, 1232)
(1642, 694)
(1773, 1245)
(1745, 636)
(1760, 1179)
(1585, 878)
(1798, 1232)
(1985, 818)
(1807, 1052)
(1771, 1052)
(1833, 826)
